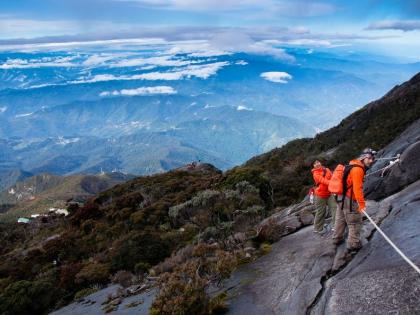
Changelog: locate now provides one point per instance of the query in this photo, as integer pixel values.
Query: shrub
(225, 264)
(27, 297)
(181, 292)
(209, 233)
(176, 259)
(5, 282)
(182, 213)
(141, 267)
(138, 247)
(68, 275)
(89, 211)
(85, 292)
(246, 219)
(93, 273)
(265, 248)
(123, 278)
(218, 305)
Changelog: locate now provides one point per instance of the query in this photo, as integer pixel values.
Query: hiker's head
(316, 163)
(367, 157)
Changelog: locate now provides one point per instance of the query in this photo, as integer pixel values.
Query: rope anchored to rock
(392, 244)
(394, 160)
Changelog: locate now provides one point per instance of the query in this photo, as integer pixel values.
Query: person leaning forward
(349, 212)
(322, 197)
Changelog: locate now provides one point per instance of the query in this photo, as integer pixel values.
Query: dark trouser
(348, 216)
(321, 211)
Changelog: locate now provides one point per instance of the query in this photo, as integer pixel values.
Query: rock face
(94, 304)
(286, 280)
(403, 173)
(306, 274)
(287, 220)
(290, 279)
(377, 280)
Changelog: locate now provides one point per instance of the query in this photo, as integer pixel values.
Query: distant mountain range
(151, 110)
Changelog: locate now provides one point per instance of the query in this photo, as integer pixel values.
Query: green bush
(181, 292)
(28, 297)
(137, 247)
(93, 273)
(84, 292)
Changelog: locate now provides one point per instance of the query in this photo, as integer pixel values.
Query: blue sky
(390, 27)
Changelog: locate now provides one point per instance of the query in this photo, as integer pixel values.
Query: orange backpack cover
(336, 182)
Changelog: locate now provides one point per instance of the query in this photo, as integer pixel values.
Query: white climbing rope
(392, 244)
(389, 158)
(383, 169)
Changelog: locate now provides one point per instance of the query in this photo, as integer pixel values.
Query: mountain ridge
(189, 228)
(38, 193)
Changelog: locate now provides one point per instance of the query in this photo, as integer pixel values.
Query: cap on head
(367, 153)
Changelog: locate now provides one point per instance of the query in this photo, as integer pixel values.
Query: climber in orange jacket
(323, 198)
(349, 212)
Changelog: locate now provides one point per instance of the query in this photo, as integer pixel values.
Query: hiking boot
(338, 241)
(322, 232)
(329, 227)
(353, 250)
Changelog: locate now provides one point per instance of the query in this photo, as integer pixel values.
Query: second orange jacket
(321, 181)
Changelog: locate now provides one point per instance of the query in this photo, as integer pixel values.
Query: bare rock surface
(286, 280)
(378, 280)
(306, 274)
(403, 173)
(94, 304)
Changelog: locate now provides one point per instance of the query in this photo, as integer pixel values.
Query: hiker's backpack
(338, 181)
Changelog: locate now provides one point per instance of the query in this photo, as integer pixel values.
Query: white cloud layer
(150, 90)
(241, 107)
(199, 71)
(403, 25)
(237, 41)
(271, 7)
(276, 76)
(37, 63)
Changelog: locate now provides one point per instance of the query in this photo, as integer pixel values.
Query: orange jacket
(322, 182)
(355, 181)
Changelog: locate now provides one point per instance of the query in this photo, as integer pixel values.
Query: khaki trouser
(321, 211)
(351, 218)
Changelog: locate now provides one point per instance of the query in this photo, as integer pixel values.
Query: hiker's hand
(361, 210)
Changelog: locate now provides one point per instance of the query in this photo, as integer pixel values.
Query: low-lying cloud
(199, 71)
(37, 63)
(150, 90)
(402, 25)
(237, 41)
(276, 76)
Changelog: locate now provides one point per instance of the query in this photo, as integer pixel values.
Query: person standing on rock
(322, 197)
(350, 209)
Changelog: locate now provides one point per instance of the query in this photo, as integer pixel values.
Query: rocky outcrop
(286, 221)
(287, 280)
(291, 278)
(306, 274)
(403, 173)
(199, 167)
(377, 280)
(100, 303)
